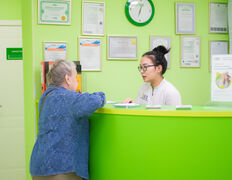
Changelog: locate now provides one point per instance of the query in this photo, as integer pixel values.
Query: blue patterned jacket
(62, 144)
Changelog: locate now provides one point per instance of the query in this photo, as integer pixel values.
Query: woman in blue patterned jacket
(62, 145)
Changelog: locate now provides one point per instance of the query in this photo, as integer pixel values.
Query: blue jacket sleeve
(83, 105)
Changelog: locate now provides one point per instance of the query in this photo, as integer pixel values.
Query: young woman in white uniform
(156, 90)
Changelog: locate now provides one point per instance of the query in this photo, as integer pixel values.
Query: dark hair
(157, 57)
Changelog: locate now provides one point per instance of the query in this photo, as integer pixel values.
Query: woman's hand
(128, 100)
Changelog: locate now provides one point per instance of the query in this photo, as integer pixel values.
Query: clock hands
(141, 5)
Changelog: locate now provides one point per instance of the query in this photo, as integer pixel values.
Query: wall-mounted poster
(90, 54)
(221, 84)
(164, 41)
(230, 24)
(217, 47)
(190, 51)
(55, 50)
(93, 18)
(218, 16)
(122, 47)
(54, 12)
(185, 18)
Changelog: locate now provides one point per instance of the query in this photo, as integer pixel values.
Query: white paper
(218, 47)
(218, 17)
(93, 15)
(153, 107)
(127, 105)
(53, 51)
(185, 18)
(122, 47)
(164, 41)
(184, 107)
(190, 51)
(221, 88)
(90, 54)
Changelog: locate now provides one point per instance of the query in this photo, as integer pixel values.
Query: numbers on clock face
(140, 10)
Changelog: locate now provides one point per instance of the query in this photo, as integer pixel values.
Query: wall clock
(139, 12)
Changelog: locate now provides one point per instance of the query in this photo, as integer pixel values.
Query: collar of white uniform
(161, 84)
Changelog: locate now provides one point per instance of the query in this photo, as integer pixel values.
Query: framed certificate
(190, 51)
(55, 50)
(54, 12)
(93, 18)
(215, 48)
(164, 41)
(218, 17)
(122, 47)
(185, 18)
(90, 53)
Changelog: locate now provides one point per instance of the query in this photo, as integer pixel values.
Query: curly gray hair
(60, 68)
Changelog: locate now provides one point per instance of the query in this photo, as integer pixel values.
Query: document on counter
(127, 105)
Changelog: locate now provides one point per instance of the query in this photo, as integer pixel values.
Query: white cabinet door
(12, 141)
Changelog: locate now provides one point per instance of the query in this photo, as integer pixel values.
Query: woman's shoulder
(170, 87)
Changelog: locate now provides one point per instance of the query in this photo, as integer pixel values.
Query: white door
(12, 140)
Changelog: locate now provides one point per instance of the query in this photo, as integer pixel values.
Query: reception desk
(167, 144)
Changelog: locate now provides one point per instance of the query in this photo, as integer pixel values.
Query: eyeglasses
(144, 68)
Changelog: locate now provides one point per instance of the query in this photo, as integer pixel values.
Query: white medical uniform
(164, 94)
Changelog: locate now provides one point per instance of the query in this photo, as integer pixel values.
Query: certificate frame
(53, 49)
(161, 41)
(213, 26)
(180, 19)
(87, 45)
(194, 62)
(132, 46)
(97, 29)
(64, 18)
(217, 42)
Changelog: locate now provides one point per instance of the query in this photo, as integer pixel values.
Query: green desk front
(138, 144)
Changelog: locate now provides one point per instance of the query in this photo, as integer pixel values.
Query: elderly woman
(62, 145)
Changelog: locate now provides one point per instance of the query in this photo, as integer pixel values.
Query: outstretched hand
(128, 100)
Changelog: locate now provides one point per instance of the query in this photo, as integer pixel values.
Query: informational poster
(221, 86)
(164, 41)
(218, 47)
(218, 17)
(122, 47)
(230, 23)
(185, 18)
(190, 51)
(93, 18)
(54, 12)
(90, 54)
(55, 50)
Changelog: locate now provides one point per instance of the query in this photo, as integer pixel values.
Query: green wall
(120, 79)
(10, 10)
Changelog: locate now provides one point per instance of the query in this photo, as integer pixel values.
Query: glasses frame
(144, 68)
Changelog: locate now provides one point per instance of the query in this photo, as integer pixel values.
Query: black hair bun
(161, 49)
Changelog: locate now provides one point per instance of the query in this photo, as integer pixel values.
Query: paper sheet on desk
(127, 105)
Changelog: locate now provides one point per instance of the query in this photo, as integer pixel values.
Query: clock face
(139, 12)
